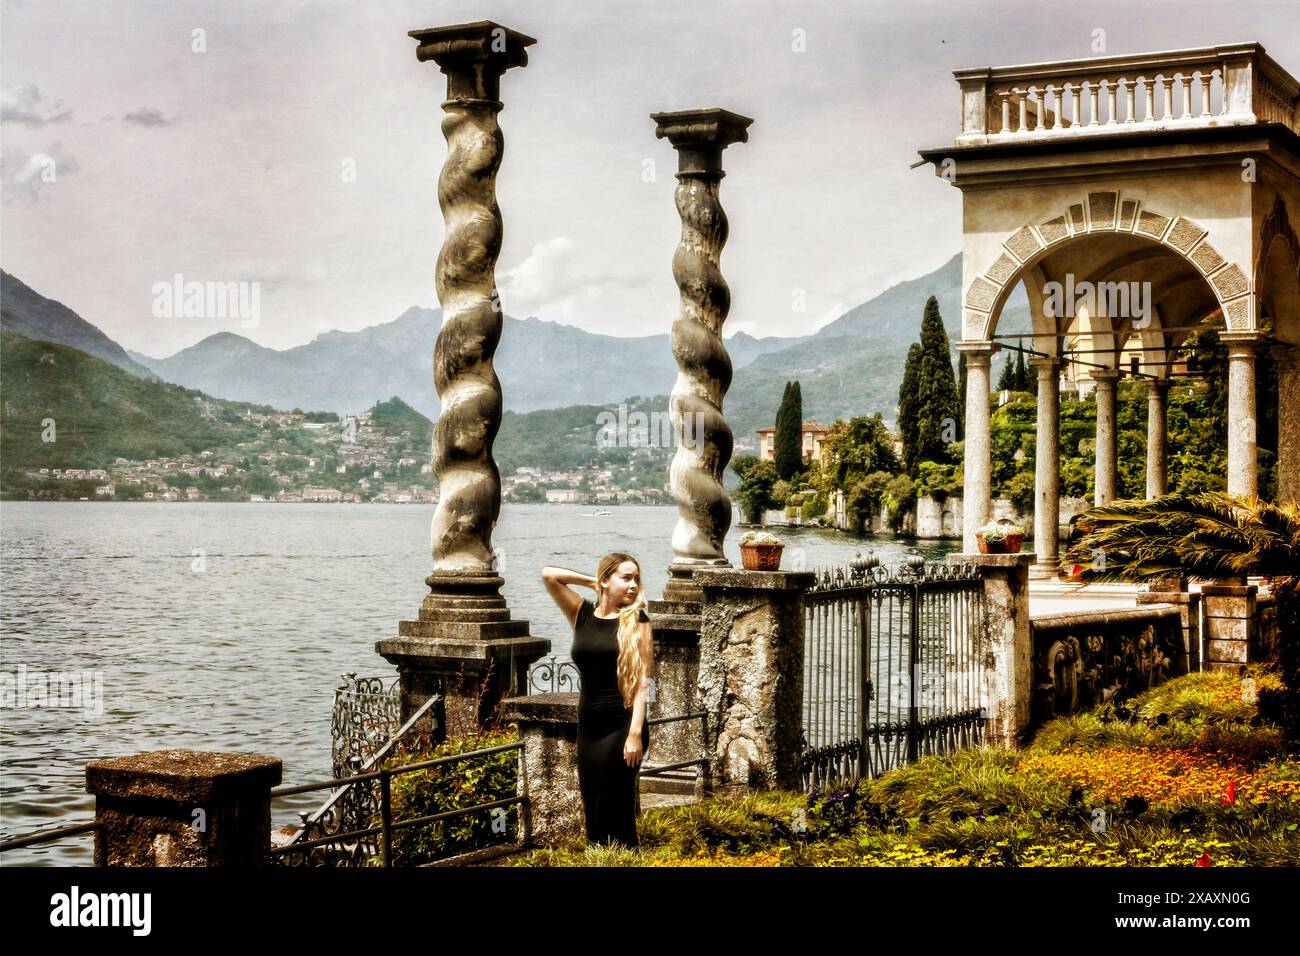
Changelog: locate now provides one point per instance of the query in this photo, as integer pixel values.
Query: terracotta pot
(761, 557)
(1014, 541)
(991, 547)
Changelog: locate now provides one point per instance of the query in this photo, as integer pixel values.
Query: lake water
(225, 627)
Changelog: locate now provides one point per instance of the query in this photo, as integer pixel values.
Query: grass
(1180, 774)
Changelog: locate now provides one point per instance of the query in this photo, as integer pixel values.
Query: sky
(294, 145)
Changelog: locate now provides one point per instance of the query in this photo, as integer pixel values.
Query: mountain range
(851, 366)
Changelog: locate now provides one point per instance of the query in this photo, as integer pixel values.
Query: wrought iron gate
(893, 667)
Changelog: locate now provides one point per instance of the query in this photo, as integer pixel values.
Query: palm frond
(1203, 536)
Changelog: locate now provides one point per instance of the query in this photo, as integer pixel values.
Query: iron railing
(893, 663)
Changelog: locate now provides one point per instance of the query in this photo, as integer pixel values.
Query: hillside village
(357, 460)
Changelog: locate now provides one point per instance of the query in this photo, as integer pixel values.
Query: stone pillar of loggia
(1286, 360)
(1241, 411)
(1047, 464)
(978, 463)
(1157, 436)
(1105, 477)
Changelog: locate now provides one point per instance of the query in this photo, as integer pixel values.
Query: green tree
(908, 396)
(936, 408)
(852, 450)
(961, 395)
(755, 494)
(1007, 380)
(789, 432)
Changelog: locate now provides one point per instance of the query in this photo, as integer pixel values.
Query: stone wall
(1086, 658)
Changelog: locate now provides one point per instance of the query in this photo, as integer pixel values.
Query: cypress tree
(1022, 374)
(788, 434)
(907, 399)
(936, 390)
(1007, 380)
(961, 394)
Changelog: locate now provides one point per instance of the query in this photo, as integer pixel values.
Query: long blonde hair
(633, 662)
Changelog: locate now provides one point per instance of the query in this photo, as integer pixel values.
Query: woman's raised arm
(557, 581)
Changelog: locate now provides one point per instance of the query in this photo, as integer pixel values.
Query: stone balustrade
(1237, 84)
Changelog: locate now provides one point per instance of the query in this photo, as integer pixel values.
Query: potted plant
(760, 551)
(1003, 536)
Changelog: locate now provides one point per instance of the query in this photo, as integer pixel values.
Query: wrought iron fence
(893, 664)
(365, 716)
(550, 675)
(333, 838)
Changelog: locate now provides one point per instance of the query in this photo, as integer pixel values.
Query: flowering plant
(759, 537)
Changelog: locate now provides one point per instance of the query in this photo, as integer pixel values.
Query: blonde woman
(614, 652)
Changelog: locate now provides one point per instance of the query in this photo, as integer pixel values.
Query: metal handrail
(45, 836)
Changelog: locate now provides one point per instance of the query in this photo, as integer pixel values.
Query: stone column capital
(1158, 386)
(1241, 344)
(1041, 362)
(700, 136)
(473, 55)
(977, 352)
(1100, 375)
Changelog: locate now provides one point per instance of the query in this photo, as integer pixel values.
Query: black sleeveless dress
(607, 783)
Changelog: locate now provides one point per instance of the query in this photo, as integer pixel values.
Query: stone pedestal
(1230, 625)
(1008, 644)
(751, 676)
(463, 646)
(183, 808)
(676, 628)
(548, 766)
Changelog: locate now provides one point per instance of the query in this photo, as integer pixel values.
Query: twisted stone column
(1157, 436)
(464, 637)
(704, 440)
(1047, 465)
(473, 56)
(1105, 483)
(1241, 411)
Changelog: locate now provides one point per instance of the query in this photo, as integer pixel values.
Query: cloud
(25, 176)
(551, 281)
(147, 117)
(28, 106)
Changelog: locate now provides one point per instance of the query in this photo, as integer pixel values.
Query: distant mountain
(540, 365)
(854, 365)
(96, 411)
(26, 312)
